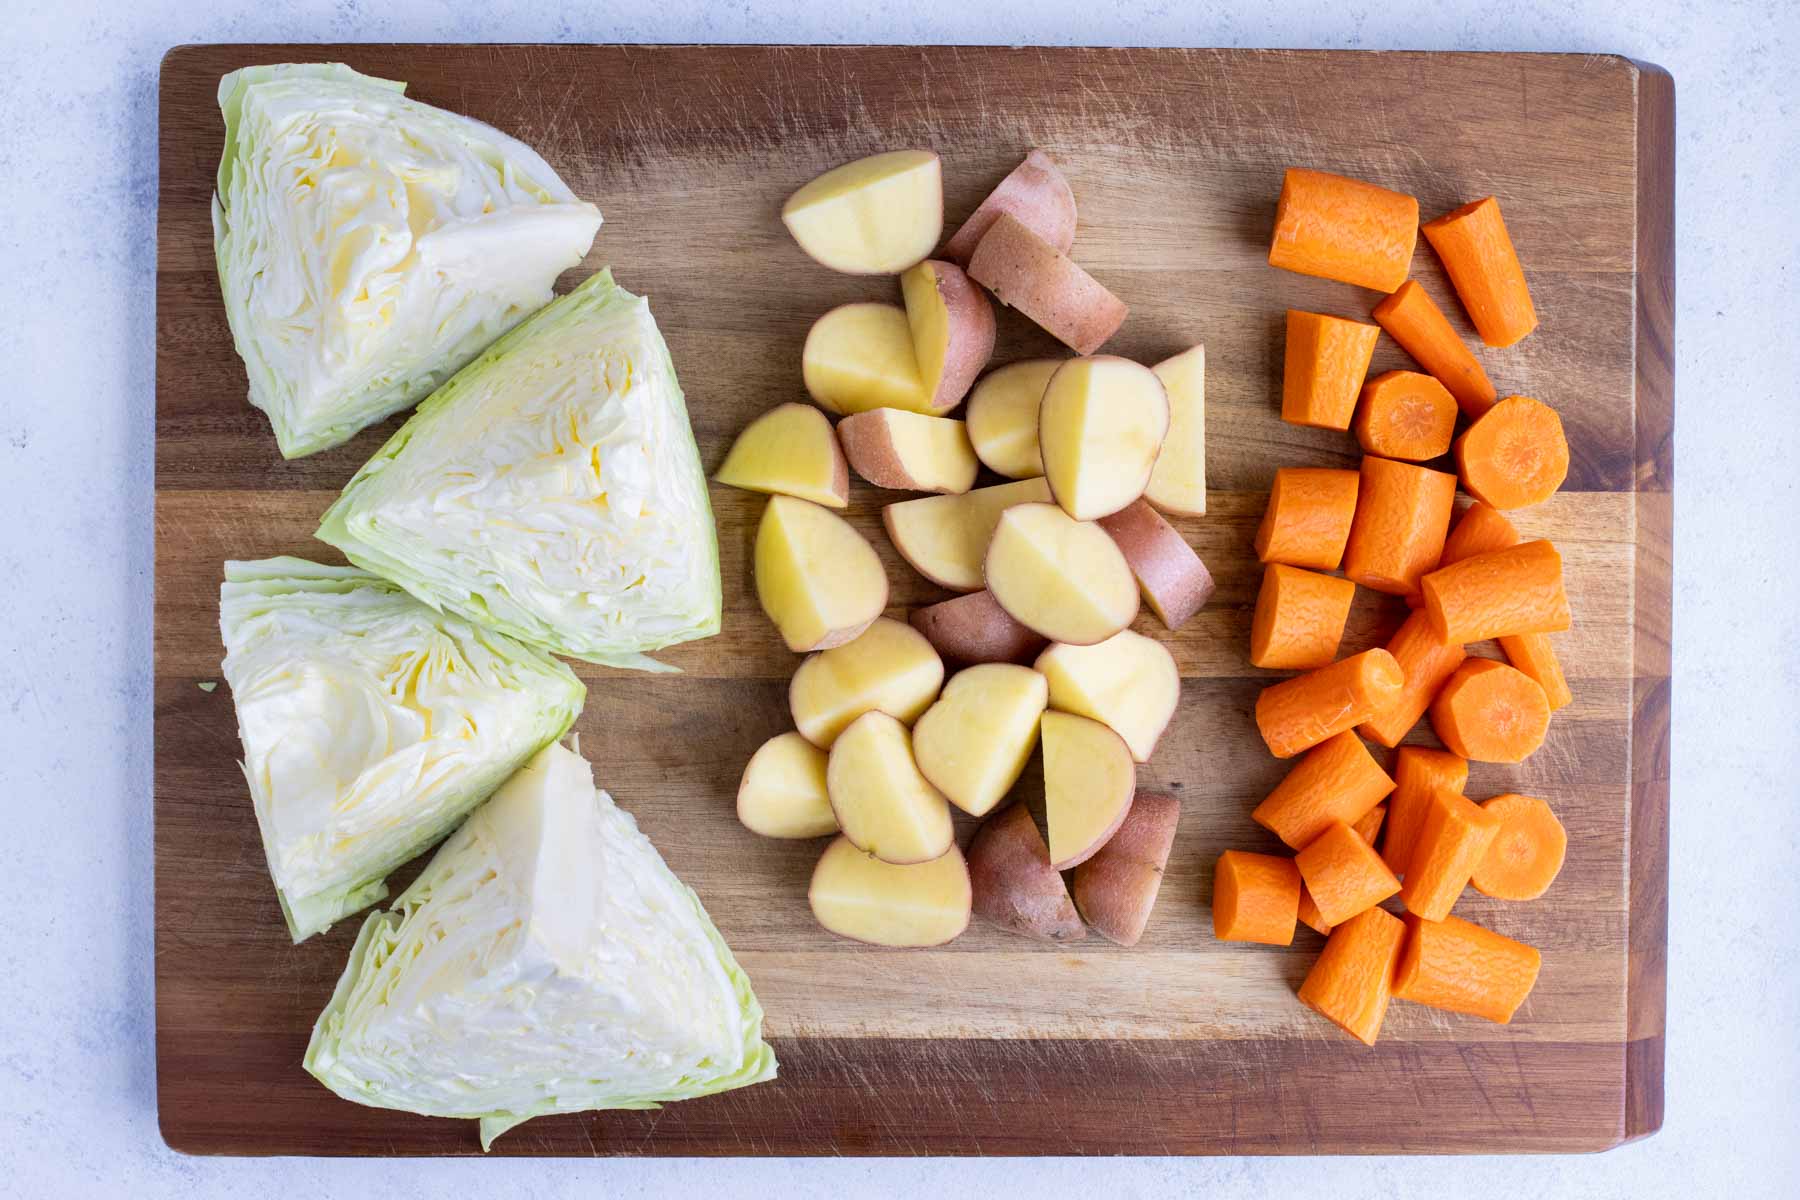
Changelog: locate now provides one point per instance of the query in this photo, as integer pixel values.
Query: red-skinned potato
(1029, 274)
(1089, 780)
(884, 904)
(1175, 583)
(1063, 578)
(817, 578)
(1002, 416)
(1116, 889)
(881, 801)
(782, 794)
(1036, 194)
(1129, 682)
(945, 537)
(907, 451)
(975, 629)
(789, 449)
(875, 216)
(952, 330)
(1014, 884)
(1101, 423)
(1178, 481)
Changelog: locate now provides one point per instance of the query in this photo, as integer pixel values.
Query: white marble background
(77, 209)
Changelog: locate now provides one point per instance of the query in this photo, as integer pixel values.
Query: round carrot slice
(1490, 712)
(1514, 454)
(1407, 415)
(1525, 856)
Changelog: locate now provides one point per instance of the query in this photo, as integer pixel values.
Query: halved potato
(952, 329)
(1116, 889)
(923, 904)
(974, 629)
(1002, 416)
(860, 356)
(1129, 682)
(1014, 884)
(1171, 576)
(882, 803)
(1178, 481)
(1060, 577)
(790, 450)
(816, 577)
(1089, 780)
(945, 537)
(875, 216)
(1027, 273)
(782, 794)
(1036, 193)
(891, 668)
(975, 740)
(1100, 426)
(909, 451)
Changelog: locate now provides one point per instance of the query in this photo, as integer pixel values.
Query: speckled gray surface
(77, 181)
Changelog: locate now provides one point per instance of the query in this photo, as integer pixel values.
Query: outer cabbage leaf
(370, 724)
(546, 961)
(551, 490)
(369, 245)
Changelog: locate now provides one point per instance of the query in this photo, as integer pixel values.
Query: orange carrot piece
(1309, 914)
(1308, 518)
(1480, 529)
(1299, 713)
(1338, 780)
(1478, 256)
(1327, 360)
(1419, 774)
(1369, 828)
(1404, 414)
(1458, 966)
(1353, 980)
(1527, 853)
(1426, 660)
(1533, 654)
(1514, 454)
(1344, 229)
(1299, 618)
(1490, 712)
(1453, 838)
(1402, 516)
(1343, 874)
(1497, 594)
(1412, 319)
(1256, 898)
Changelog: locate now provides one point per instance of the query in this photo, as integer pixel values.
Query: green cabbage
(546, 961)
(370, 724)
(369, 245)
(551, 490)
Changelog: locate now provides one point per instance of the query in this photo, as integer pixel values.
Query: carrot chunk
(1327, 359)
(1343, 874)
(1403, 414)
(1353, 980)
(1309, 913)
(1527, 853)
(1426, 660)
(1457, 965)
(1402, 516)
(1256, 898)
(1338, 780)
(1478, 256)
(1514, 454)
(1533, 654)
(1299, 618)
(1502, 592)
(1482, 528)
(1419, 773)
(1344, 229)
(1308, 518)
(1369, 828)
(1299, 713)
(1490, 712)
(1412, 319)
(1453, 838)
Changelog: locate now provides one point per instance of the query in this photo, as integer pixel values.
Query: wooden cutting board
(992, 1045)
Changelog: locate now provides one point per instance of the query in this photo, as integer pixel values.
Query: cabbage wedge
(368, 245)
(370, 724)
(551, 490)
(546, 961)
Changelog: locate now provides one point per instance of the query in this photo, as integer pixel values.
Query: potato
(1063, 578)
(952, 329)
(1002, 416)
(1173, 579)
(1014, 884)
(860, 356)
(1036, 193)
(945, 537)
(975, 740)
(909, 451)
(1178, 481)
(783, 790)
(1116, 889)
(975, 629)
(816, 577)
(882, 803)
(891, 668)
(1027, 273)
(1100, 425)
(875, 216)
(1129, 682)
(924, 904)
(791, 450)
(1089, 780)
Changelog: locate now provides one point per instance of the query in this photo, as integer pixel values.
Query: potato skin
(1027, 273)
(1014, 884)
(972, 333)
(973, 628)
(1036, 193)
(1169, 573)
(1116, 888)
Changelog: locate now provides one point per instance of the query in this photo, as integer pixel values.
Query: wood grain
(992, 1045)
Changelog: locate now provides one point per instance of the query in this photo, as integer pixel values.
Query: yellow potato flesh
(889, 668)
(783, 791)
(791, 450)
(922, 904)
(1002, 415)
(816, 577)
(1059, 577)
(1128, 682)
(973, 743)
(860, 356)
(882, 803)
(1178, 480)
(946, 537)
(935, 451)
(1089, 780)
(1100, 425)
(875, 216)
